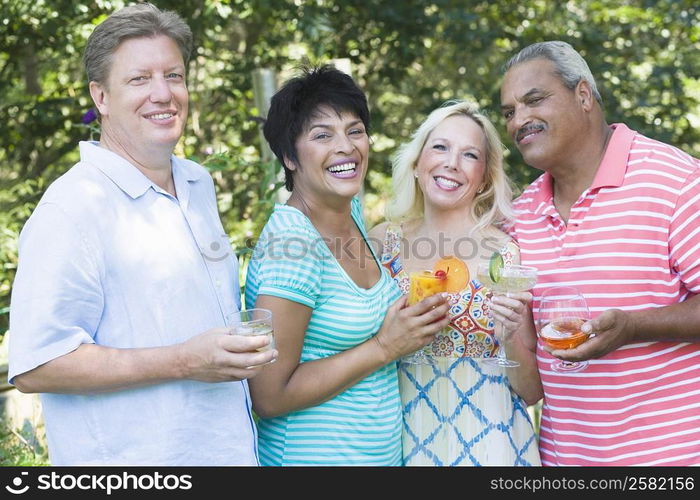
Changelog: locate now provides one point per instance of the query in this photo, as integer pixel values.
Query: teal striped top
(362, 425)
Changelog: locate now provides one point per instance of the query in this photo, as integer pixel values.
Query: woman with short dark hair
(332, 396)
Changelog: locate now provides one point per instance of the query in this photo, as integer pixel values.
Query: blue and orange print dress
(458, 410)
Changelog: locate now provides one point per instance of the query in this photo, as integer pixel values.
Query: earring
(415, 174)
(480, 190)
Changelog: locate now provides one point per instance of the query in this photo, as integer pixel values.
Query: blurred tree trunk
(30, 65)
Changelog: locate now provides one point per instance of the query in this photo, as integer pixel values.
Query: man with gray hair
(126, 282)
(615, 216)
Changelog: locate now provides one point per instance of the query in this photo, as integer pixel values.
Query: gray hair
(134, 21)
(568, 64)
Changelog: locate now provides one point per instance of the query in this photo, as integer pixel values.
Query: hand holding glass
(511, 279)
(562, 312)
(254, 322)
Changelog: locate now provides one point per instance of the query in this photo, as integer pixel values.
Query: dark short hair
(134, 21)
(294, 105)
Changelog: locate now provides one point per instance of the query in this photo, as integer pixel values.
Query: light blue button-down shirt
(110, 258)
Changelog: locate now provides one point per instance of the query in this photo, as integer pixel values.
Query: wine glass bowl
(562, 312)
(504, 280)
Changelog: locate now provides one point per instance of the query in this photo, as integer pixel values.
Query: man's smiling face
(542, 115)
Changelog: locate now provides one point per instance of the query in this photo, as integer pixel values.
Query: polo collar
(124, 174)
(611, 172)
(613, 167)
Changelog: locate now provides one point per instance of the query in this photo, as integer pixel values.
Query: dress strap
(510, 253)
(391, 248)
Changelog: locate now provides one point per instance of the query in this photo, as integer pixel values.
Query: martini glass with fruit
(450, 275)
(562, 313)
(500, 279)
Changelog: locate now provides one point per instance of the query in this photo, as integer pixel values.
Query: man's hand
(612, 329)
(219, 356)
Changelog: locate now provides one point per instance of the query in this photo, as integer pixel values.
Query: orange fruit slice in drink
(456, 271)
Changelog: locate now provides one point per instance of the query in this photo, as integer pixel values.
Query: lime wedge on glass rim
(495, 267)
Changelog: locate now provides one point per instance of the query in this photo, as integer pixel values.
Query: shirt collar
(611, 171)
(125, 175)
(613, 167)
(542, 196)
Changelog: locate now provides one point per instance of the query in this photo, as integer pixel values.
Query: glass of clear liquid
(254, 322)
(511, 279)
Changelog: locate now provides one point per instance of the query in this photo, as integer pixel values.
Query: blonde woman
(450, 197)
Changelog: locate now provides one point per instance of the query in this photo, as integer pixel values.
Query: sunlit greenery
(20, 448)
(409, 56)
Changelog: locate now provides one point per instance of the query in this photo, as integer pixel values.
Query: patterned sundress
(458, 410)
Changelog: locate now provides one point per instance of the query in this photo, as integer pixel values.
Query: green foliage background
(409, 56)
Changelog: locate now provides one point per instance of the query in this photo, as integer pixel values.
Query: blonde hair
(491, 206)
(134, 21)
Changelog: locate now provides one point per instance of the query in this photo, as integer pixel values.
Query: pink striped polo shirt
(632, 242)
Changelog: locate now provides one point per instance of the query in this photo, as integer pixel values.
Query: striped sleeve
(289, 266)
(684, 234)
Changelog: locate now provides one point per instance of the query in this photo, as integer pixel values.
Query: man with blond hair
(119, 311)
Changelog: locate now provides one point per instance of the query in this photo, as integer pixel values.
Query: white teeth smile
(447, 183)
(346, 167)
(161, 116)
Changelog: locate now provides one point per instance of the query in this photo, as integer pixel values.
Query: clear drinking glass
(423, 284)
(511, 279)
(562, 312)
(254, 322)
